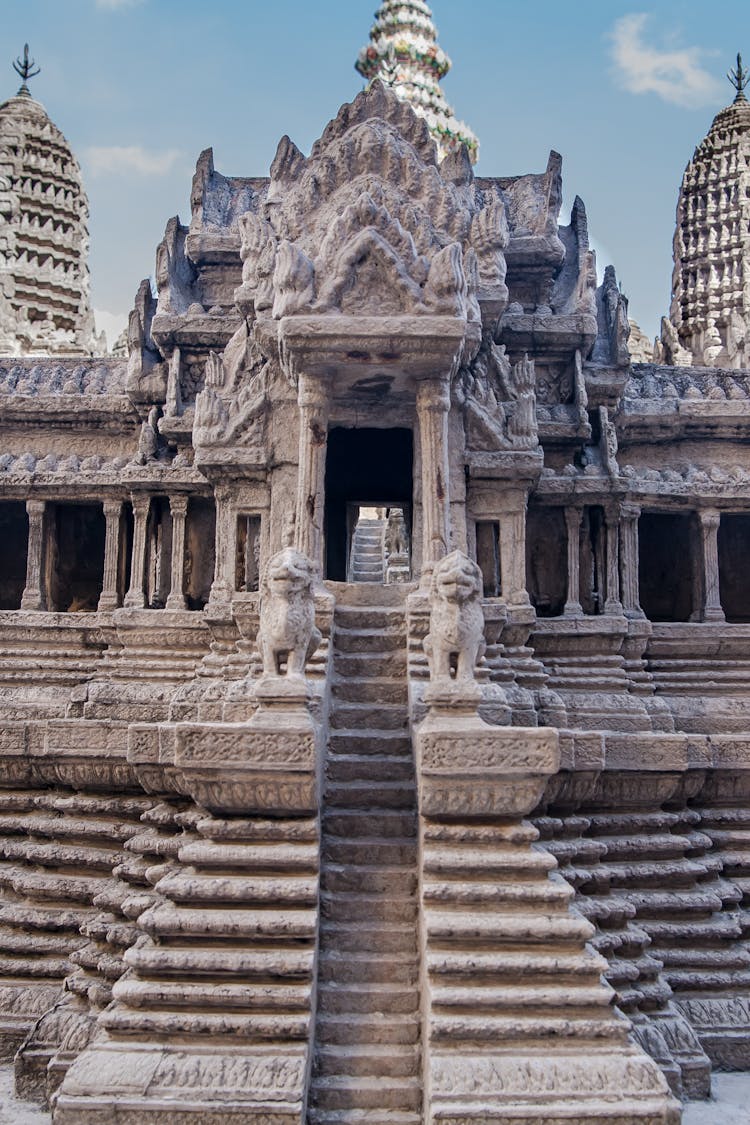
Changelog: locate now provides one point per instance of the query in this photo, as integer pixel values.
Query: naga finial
(740, 79)
(26, 69)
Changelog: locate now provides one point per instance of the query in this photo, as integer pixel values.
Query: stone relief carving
(455, 642)
(147, 376)
(287, 632)
(232, 407)
(499, 400)
(611, 346)
(174, 273)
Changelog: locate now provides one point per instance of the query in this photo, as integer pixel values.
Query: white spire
(403, 52)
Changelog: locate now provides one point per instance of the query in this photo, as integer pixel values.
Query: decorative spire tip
(26, 68)
(740, 79)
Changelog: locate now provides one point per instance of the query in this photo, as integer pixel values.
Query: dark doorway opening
(363, 466)
(734, 552)
(547, 560)
(14, 542)
(667, 547)
(75, 557)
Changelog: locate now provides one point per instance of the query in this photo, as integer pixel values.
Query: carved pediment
(370, 224)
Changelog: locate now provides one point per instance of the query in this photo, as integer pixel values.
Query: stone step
(369, 617)
(367, 968)
(238, 889)
(253, 1028)
(372, 1061)
(229, 997)
(366, 998)
(344, 1093)
(369, 716)
(533, 1002)
(348, 908)
(288, 858)
(497, 928)
(391, 743)
(362, 1117)
(367, 640)
(351, 596)
(353, 937)
(370, 851)
(356, 824)
(368, 665)
(349, 767)
(360, 690)
(166, 920)
(210, 963)
(529, 896)
(486, 863)
(370, 795)
(380, 880)
(514, 1030)
(517, 966)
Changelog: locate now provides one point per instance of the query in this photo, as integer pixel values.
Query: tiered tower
(710, 312)
(403, 52)
(44, 277)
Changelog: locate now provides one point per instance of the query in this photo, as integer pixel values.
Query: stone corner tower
(709, 320)
(403, 53)
(44, 276)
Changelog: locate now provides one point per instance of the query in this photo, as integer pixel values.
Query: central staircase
(367, 1062)
(367, 562)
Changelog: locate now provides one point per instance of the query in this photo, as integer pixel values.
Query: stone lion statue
(455, 642)
(287, 614)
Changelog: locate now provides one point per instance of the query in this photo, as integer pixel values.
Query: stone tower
(710, 311)
(403, 53)
(44, 277)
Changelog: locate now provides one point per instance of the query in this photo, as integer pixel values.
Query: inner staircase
(367, 1062)
(367, 562)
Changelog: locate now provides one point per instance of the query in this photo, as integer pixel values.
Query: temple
(374, 655)
(44, 278)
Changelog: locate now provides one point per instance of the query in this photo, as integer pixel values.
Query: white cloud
(675, 75)
(112, 5)
(134, 159)
(111, 324)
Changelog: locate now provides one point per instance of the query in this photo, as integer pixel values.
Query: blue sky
(139, 87)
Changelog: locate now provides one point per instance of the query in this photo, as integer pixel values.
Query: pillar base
(165, 1085)
(592, 1086)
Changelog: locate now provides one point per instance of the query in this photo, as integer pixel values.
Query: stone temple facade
(374, 653)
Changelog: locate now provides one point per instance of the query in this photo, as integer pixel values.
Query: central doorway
(365, 468)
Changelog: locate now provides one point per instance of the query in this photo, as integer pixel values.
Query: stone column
(513, 553)
(178, 510)
(709, 531)
(223, 583)
(33, 597)
(612, 602)
(112, 513)
(313, 399)
(629, 560)
(135, 597)
(573, 607)
(433, 404)
(174, 403)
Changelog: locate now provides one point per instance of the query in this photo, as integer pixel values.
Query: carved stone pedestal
(518, 1024)
(213, 1020)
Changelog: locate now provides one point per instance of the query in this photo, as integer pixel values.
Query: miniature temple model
(374, 642)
